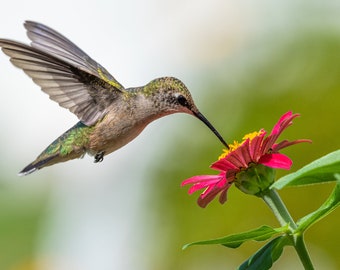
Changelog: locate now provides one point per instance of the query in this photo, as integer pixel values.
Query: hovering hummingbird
(110, 115)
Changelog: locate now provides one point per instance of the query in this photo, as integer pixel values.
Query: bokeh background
(246, 63)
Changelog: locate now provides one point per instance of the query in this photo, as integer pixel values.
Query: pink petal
(284, 122)
(196, 187)
(243, 153)
(223, 165)
(201, 178)
(279, 125)
(236, 158)
(223, 196)
(276, 160)
(207, 196)
(255, 146)
(210, 190)
(219, 182)
(212, 185)
(266, 145)
(204, 200)
(278, 146)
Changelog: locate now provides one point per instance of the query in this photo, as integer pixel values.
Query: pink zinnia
(254, 149)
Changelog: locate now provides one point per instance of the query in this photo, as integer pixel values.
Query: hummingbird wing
(52, 42)
(63, 71)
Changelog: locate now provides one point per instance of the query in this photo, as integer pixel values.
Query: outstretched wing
(52, 42)
(63, 71)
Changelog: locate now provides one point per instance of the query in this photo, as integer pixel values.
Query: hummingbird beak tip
(210, 126)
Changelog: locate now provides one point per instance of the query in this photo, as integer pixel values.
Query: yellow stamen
(233, 146)
(252, 135)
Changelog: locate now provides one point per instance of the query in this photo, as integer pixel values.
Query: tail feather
(36, 165)
(69, 145)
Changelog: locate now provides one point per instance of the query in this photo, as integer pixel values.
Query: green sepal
(326, 208)
(265, 257)
(235, 240)
(319, 171)
(255, 180)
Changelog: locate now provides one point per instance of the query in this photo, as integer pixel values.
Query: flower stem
(273, 200)
(302, 251)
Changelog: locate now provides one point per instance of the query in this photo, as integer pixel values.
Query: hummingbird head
(170, 95)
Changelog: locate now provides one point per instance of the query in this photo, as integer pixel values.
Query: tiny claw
(99, 157)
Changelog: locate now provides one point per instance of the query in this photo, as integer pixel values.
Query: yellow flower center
(233, 146)
(252, 135)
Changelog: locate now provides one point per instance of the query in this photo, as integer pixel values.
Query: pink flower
(255, 149)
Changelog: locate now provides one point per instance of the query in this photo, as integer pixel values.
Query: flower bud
(255, 179)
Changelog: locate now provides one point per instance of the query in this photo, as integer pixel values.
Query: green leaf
(327, 207)
(235, 240)
(319, 171)
(265, 257)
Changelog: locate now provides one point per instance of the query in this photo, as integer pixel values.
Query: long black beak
(210, 126)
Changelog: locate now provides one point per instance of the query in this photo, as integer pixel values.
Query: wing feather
(63, 71)
(52, 42)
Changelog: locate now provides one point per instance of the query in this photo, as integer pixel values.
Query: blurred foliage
(22, 209)
(239, 95)
(302, 75)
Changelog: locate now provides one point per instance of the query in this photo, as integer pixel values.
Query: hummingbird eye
(182, 101)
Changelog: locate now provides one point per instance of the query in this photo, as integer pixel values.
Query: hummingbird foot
(99, 157)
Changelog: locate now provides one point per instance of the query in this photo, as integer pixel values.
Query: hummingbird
(110, 116)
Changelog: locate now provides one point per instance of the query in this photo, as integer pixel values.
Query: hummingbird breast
(112, 133)
(122, 124)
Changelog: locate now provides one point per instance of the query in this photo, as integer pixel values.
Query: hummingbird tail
(46, 159)
(70, 145)
(36, 165)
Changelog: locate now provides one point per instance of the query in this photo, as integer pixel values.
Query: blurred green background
(302, 76)
(245, 64)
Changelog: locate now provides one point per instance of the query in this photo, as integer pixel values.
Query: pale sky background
(136, 41)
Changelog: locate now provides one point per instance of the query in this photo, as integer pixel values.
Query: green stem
(302, 251)
(273, 200)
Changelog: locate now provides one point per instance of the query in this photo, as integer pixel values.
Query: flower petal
(276, 160)
(278, 146)
(254, 150)
(213, 185)
(223, 195)
(204, 199)
(201, 178)
(284, 122)
(235, 157)
(209, 194)
(244, 152)
(202, 185)
(205, 181)
(223, 165)
(255, 146)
